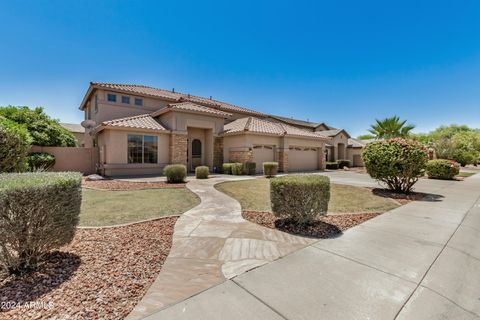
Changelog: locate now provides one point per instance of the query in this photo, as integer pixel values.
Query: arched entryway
(196, 153)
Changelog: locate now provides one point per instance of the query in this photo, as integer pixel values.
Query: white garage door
(302, 159)
(263, 154)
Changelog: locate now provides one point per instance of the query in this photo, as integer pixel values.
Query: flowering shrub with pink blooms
(442, 169)
(396, 162)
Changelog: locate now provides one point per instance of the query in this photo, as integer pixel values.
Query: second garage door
(263, 154)
(302, 159)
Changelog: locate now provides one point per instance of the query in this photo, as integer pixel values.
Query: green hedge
(300, 198)
(227, 168)
(343, 163)
(40, 161)
(249, 168)
(14, 146)
(396, 162)
(39, 211)
(237, 168)
(442, 169)
(332, 165)
(175, 173)
(201, 172)
(270, 169)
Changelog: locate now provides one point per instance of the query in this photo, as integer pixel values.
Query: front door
(196, 153)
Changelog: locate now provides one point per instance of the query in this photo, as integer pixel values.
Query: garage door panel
(263, 154)
(302, 159)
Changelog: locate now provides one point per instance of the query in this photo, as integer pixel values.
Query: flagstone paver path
(212, 243)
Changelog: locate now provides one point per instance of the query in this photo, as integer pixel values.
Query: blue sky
(341, 62)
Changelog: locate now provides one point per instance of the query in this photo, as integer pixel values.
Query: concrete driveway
(419, 261)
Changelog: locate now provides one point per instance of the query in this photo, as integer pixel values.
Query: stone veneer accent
(218, 152)
(178, 148)
(241, 155)
(282, 160)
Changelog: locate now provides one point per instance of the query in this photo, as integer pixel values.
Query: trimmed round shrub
(396, 162)
(227, 168)
(343, 163)
(300, 198)
(331, 165)
(270, 169)
(14, 146)
(175, 173)
(39, 211)
(249, 168)
(442, 169)
(237, 168)
(201, 172)
(40, 161)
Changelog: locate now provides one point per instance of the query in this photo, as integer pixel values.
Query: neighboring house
(139, 130)
(77, 130)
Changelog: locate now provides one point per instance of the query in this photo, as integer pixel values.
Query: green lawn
(254, 195)
(465, 174)
(102, 208)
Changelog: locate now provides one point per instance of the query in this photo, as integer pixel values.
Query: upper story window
(125, 99)
(111, 97)
(142, 149)
(138, 102)
(96, 103)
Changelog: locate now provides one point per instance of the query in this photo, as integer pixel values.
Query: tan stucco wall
(71, 158)
(335, 141)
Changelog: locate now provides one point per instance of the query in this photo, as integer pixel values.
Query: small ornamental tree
(396, 162)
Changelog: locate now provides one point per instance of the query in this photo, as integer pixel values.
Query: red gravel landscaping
(324, 227)
(102, 274)
(127, 185)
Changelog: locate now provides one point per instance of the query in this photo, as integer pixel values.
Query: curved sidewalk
(419, 261)
(212, 243)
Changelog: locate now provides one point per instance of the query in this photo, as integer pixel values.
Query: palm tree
(391, 127)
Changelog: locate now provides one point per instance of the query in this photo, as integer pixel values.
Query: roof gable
(144, 121)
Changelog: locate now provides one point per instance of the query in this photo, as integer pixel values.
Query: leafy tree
(391, 127)
(466, 147)
(44, 130)
(366, 137)
(454, 142)
(14, 146)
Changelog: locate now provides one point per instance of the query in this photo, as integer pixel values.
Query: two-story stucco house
(139, 130)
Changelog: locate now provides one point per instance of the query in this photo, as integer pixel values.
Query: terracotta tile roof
(176, 96)
(189, 106)
(256, 125)
(144, 121)
(356, 143)
(329, 133)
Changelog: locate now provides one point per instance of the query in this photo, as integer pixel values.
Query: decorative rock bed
(102, 274)
(324, 227)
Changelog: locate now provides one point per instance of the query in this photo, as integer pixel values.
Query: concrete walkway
(419, 261)
(212, 243)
